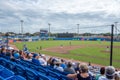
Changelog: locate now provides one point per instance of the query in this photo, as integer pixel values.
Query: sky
(63, 15)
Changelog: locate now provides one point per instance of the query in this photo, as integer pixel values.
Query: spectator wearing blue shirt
(63, 65)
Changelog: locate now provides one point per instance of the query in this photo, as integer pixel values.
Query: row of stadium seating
(6, 74)
(31, 71)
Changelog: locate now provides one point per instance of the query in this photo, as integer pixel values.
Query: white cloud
(60, 13)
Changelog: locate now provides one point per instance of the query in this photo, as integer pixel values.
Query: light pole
(78, 29)
(7, 34)
(49, 29)
(111, 47)
(22, 28)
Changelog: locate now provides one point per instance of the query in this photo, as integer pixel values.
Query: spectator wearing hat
(109, 72)
(16, 55)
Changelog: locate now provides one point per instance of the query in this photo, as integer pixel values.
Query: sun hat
(110, 71)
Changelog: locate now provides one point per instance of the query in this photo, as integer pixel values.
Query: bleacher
(13, 69)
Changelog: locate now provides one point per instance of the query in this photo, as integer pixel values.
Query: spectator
(102, 74)
(77, 68)
(29, 57)
(83, 75)
(63, 65)
(90, 69)
(50, 62)
(43, 60)
(8, 52)
(24, 56)
(110, 71)
(21, 54)
(69, 68)
(117, 75)
(16, 55)
(54, 60)
(3, 51)
(35, 59)
(90, 66)
(58, 67)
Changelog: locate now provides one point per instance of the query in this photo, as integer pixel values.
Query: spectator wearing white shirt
(58, 67)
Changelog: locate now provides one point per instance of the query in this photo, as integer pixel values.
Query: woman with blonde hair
(83, 75)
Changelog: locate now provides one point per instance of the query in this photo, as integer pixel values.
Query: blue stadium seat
(11, 65)
(3, 62)
(53, 74)
(1, 67)
(43, 77)
(19, 62)
(50, 68)
(5, 73)
(0, 55)
(31, 74)
(4, 56)
(16, 77)
(32, 66)
(25, 64)
(42, 70)
(19, 70)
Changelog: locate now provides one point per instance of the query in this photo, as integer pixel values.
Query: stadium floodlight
(78, 29)
(49, 29)
(7, 40)
(22, 28)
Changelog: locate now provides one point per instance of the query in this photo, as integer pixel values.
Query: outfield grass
(92, 54)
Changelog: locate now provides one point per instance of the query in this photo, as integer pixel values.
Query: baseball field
(97, 52)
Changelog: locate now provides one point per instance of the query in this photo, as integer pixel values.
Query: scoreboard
(43, 33)
(65, 35)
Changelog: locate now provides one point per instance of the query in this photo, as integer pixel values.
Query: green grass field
(92, 53)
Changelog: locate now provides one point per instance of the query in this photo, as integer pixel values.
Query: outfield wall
(84, 38)
(81, 38)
